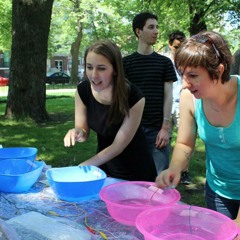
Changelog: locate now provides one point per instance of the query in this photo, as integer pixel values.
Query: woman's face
(99, 71)
(197, 81)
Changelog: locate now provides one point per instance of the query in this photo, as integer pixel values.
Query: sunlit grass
(48, 137)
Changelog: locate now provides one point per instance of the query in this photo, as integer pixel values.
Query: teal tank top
(222, 145)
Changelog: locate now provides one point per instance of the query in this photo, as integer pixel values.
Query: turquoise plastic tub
(19, 175)
(77, 183)
(28, 153)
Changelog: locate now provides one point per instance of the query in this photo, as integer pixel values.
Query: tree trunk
(197, 22)
(75, 52)
(30, 28)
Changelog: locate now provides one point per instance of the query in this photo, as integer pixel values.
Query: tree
(75, 46)
(30, 30)
(77, 23)
(5, 24)
(66, 32)
(192, 16)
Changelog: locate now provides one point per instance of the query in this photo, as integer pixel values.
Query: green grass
(194, 193)
(60, 86)
(48, 138)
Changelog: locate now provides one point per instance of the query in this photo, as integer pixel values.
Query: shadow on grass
(4, 99)
(48, 137)
(54, 117)
(193, 194)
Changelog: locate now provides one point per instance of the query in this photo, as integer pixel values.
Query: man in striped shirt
(154, 74)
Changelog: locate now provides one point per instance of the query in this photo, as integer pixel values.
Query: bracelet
(81, 132)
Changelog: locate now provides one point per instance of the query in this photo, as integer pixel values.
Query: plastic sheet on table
(91, 213)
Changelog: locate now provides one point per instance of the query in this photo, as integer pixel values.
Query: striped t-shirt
(149, 72)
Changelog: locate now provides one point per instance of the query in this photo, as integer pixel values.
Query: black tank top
(135, 162)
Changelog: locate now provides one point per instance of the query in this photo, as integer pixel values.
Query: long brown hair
(119, 107)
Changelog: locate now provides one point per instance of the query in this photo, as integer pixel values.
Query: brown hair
(207, 54)
(119, 106)
(140, 20)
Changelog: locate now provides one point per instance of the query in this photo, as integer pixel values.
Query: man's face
(149, 33)
(175, 45)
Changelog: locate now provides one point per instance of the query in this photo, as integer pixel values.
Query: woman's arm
(81, 131)
(184, 147)
(237, 220)
(124, 136)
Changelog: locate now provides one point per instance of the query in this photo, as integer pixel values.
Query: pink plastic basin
(125, 200)
(184, 222)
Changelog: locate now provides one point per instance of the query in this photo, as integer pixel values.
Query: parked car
(3, 81)
(58, 77)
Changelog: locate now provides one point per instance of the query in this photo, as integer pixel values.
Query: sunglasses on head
(206, 40)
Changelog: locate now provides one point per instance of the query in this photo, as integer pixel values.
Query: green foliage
(5, 24)
(112, 19)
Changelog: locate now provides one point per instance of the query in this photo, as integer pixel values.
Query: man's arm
(167, 104)
(163, 135)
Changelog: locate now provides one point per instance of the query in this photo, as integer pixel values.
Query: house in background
(63, 63)
(58, 63)
(4, 63)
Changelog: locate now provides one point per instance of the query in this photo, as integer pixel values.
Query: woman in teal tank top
(210, 107)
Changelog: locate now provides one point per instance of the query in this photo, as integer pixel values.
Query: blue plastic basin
(76, 183)
(29, 153)
(19, 175)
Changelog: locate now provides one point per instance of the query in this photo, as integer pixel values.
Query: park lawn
(48, 139)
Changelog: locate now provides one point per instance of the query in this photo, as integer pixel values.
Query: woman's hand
(168, 178)
(73, 135)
